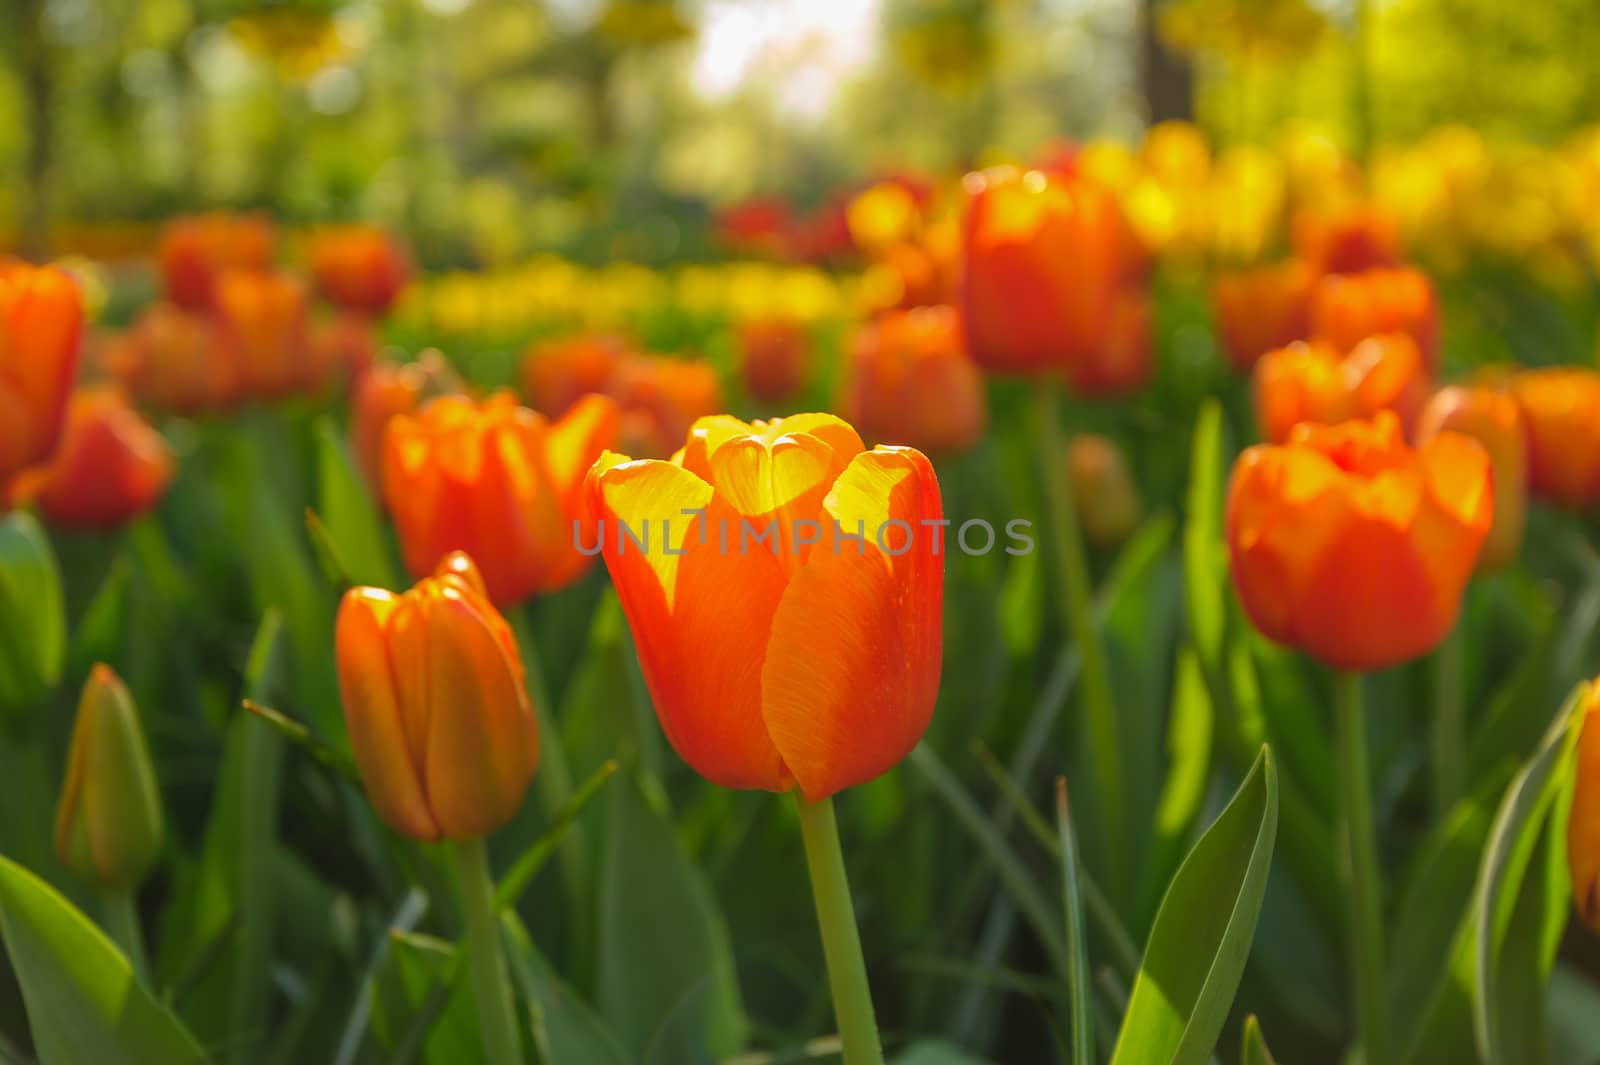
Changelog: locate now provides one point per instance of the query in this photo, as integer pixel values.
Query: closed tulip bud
(196, 252)
(386, 391)
(1491, 417)
(1352, 546)
(1313, 383)
(1348, 308)
(1262, 309)
(1122, 363)
(808, 658)
(557, 373)
(444, 735)
(175, 360)
(1561, 408)
(359, 268)
(108, 824)
(909, 381)
(1107, 499)
(41, 324)
(1359, 238)
(112, 466)
(1039, 269)
(497, 481)
(1583, 827)
(774, 357)
(266, 330)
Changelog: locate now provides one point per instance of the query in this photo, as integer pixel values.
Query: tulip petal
(700, 603)
(852, 670)
(483, 745)
(367, 685)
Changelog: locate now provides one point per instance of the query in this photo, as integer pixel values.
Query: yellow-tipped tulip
(108, 826)
(439, 718)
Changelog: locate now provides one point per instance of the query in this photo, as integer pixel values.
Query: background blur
(602, 129)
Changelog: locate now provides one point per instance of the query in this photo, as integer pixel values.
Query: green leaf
(1189, 737)
(1521, 901)
(569, 1029)
(33, 623)
(662, 945)
(1433, 905)
(349, 514)
(1079, 994)
(1255, 1050)
(84, 1004)
(419, 1012)
(1204, 561)
(1202, 933)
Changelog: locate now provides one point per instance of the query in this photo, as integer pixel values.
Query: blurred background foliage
(604, 129)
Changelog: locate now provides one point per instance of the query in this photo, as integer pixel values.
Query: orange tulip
(660, 399)
(386, 391)
(195, 252)
(174, 360)
(111, 466)
(1348, 242)
(41, 327)
(1108, 498)
(557, 373)
(1583, 827)
(1491, 417)
(1352, 546)
(265, 328)
(1312, 383)
(1122, 363)
(498, 481)
(909, 381)
(797, 660)
(443, 732)
(774, 355)
(1346, 309)
(1039, 269)
(1262, 309)
(1561, 407)
(359, 268)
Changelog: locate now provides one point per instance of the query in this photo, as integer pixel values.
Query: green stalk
(1449, 738)
(1072, 568)
(1362, 889)
(120, 917)
(841, 941)
(491, 983)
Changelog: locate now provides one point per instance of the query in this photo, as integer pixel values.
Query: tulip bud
(1583, 827)
(909, 381)
(1348, 308)
(1262, 309)
(359, 268)
(112, 466)
(196, 251)
(1107, 499)
(1561, 408)
(41, 321)
(33, 628)
(443, 732)
(108, 826)
(1491, 417)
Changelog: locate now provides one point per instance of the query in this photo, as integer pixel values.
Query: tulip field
(1055, 592)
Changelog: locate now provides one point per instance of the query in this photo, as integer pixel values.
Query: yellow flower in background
(297, 41)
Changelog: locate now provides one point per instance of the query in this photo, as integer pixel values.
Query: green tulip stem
(1449, 737)
(1072, 570)
(120, 918)
(1363, 889)
(841, 940)
(491, 985)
